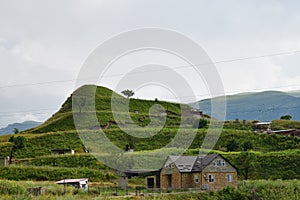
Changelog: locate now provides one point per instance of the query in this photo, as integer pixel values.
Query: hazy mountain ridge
(9, 129)
(268, 105)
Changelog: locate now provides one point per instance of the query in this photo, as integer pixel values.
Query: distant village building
(62, 151)
(195, 112)
(263, 127)
(78, 183)
(291, 132)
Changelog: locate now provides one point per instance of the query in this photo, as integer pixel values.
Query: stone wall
(220, 180)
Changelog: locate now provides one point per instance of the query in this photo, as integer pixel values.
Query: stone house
(212, 172)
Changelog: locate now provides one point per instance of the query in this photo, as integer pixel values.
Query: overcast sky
(47, 41)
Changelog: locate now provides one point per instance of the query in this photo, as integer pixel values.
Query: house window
(229, 178)
(223, 162)
(219, 163)
(196, 179)
(211, 178)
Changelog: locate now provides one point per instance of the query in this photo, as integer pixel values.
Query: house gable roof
(192, 163)
(184, 163)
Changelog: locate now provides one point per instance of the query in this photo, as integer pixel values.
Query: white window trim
(229, 180)
(196, 177)
(213, 178)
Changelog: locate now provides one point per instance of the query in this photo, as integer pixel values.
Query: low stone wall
(37, 191)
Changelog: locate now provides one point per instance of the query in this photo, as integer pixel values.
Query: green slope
(63, 119)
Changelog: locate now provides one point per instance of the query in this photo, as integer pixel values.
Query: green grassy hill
(63, 119)
(274, 154)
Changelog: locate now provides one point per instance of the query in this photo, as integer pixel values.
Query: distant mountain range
(263, 106)
(20, 126)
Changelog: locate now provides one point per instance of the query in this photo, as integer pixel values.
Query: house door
(150, 182)
(170, 181)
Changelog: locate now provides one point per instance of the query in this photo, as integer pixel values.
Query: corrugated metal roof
(282, 131)
(263, 123)
(71, 180)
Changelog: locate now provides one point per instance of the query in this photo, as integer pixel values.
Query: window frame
(223, 162)
(196, 178)
(211, 178)
(229, 180)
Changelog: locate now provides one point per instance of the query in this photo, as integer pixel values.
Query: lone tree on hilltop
(286, 117)
(127, 93)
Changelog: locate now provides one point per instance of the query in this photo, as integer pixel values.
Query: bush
(53, 173)
(232, 145)
(11, 188)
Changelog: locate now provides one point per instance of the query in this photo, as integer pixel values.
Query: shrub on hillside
(10, 188)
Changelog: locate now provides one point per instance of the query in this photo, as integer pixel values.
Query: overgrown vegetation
(262, 189)
(52, 173)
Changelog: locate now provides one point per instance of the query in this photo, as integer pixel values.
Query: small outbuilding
(263, 127)
(78, 183)
(292, 132)
(62, 151)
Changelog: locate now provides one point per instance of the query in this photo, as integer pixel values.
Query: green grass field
(263, 189)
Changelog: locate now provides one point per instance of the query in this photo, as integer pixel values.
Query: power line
(229, 93)
(41, 83)
(179, 67)
(265, 110)
(197, 95)
(24, 111)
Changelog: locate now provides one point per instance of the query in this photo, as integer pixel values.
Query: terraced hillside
(274, 154)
